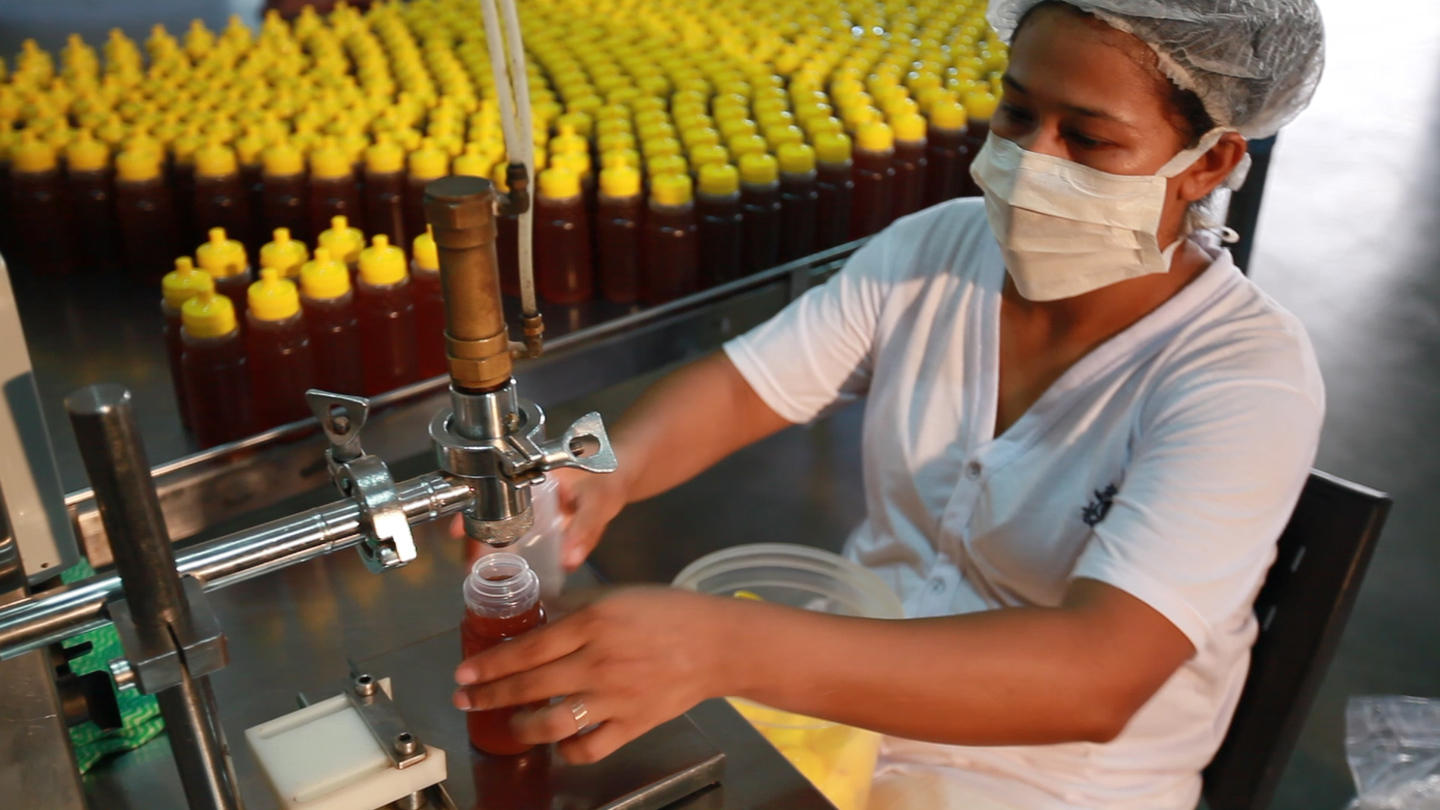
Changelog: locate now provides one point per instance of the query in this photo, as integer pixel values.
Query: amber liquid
(562, 250)
(617, 239)
(387, 335)
(518, 782)
(910, 165)
(490, 730)
(286, 205)
(224, 202)
(334, 197)
(414, 205)
(669, 254)
(335, 343)
(385, 207)
(281, 369)
(251, 177)
(173, 350)
(149, 235)
(429, 322)
(217, 388)
(182, 191)
(873, 205)
(975, 134)
(721, 221)
(42, 222)
(799, 199)
(835, 190)
(92, 199)
(507, 253)
(761, 205)
(946, 166)
(237, 289)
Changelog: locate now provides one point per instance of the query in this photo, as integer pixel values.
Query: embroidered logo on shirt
(1100, 507)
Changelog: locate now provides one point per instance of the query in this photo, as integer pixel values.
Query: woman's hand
(589, 502)
(634, 659)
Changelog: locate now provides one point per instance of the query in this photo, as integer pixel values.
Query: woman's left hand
(629, 661)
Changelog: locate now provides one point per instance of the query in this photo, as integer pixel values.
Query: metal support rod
(103, 417)
(224, 561)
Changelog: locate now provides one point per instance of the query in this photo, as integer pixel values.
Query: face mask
(1067, 229)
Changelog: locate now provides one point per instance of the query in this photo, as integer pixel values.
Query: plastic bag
(1393, 745)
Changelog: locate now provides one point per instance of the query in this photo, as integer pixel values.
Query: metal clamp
(364, 478)
(157, 661)
(380, 716)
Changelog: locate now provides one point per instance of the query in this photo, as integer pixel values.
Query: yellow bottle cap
(577, 162)
(775, 136)
(559, 183)
(660, 147)
(748, 145)
(981, 105)
(610, 126)
(737, 127)
(208, 314)
(184, 282)
(273, 297)
(796, 158)
(474, 162)
(669, 164)
(875, 136)
(282, 160)
(384, 157)
(706, 154)
(137, 166)
(759, 169)
(948, 114)
(429, 162)
(222, 257)
(329, 162)
(700, 136)
(323, 277)
(382, 264)
(832, 147)
(284, 254)
(32, 155)
(620, 181)
(343, 241)
(909, 128)
(719, 179)
(616, 140)
(497, 176)
(215, 159)
(671, 189)
(249, 146)
(655, 130)
(86, 153)
(426, 255)
(568, 142)
(619, 157)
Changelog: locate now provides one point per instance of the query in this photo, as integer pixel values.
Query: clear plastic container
(838, 759)
(542, 545)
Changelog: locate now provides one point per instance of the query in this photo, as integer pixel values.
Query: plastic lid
(208, 314)
(382, 264)
(668, 164)
(137, 166)
(323, 277)
(343, 241)
(709, 153)
(559, 183)
(423, 250)
(429, 162)
(981, 105)
(215, 159)
(671, 189)
(221, 257)
(282, 160)
(776, 136)
(32, 155)
(948, 114)
(577, 162)
(284, 254)
(660, 147)
(748, 145)
(909, 128)
(568, 141)
(273, 298)
(616, 140)
(620, 181)
(473, 162)
(384, 156)
(875, 136)
(329, 162)
(832, 147)
(759, 169)
(86, 153)
(796, 158)
(619, 157)
(184, 282)
(719, 179)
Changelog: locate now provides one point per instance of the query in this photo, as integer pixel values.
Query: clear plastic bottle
(799, 198)
(562, 239)
(225, 260)
(386, 308)
(873, 205)
(429, 307)
(720, 219)
(385, 190)
(835, 189)
(143, 206)
(669, 253)
(620, 210)
(213, 366)
(92, 197)
(946, 152)
(502, 601)
(178, 286)
(542, 546)
(284, 254)
(910, 164)
(329, 306)
(286, 198)
(277, 345)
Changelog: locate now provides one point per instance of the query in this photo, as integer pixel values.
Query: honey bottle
(277, 346)
(226, 262)
(911, 164)
(42, 212)
(835, 189)
(178, 286)
(221, 198)
(562, 239)
(149, 236)
(213, 366)
(799, 198)
(946, 152)
(332, 187)
(720, 224)
(329, 307)
(92, 198)
(343, 242)
(286, 193)
(502, 601)
(873, 206)
(620, 211)
(426, 164)
(429, 307)
(386, 309)
(385, 190)
(669, 252)
(760, 201)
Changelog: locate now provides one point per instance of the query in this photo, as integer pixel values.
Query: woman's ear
(1207, 173)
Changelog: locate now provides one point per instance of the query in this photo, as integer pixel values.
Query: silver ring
(580, 713)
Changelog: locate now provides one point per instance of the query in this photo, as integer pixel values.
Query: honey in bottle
(42, 212)
(669, 251)
(386, 309)
(507, 239)
(385, 190)
(426, 164)
(92, 199)
(226, 262)
(284, 254)
(946, 152)
(502, 602)
(328, 303)
(146, 214)
(248, 149)
(835, 189)
(760, 200)
(332, 187)
(910, 164)
(285, 201)
(799, 198)
(562, 239)
(430, 357)
(277, 345)
(221, 198)
(979, 107)
(213, 366)
(178, 286)
(182, 182)
(873, 205)
(344, 243)
(720, 223)
(620, 210)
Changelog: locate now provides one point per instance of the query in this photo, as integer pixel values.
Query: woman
(1084, 431)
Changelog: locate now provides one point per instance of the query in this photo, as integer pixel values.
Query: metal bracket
(158, 657)
(379, 714)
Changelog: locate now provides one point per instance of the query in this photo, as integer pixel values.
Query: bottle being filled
(669, 251)
(42, 211)
(562, 239)
(620, 210)
(834, 188)
(344, 243)
(146, 214)
(286, 202)
(332, 186)
(502, 602)
(213, 367)
(426, 164)
(221, 198)
(328, 304)
(720, 222)
(386, 309)
(92, 197)
(385, 190)
(910, 164)
(799, 198)
(873, 205)
(430, 359)
(277, 344)
(979, 108)
(284, 254)
(226, 262)
(177, 287)
(946, 152)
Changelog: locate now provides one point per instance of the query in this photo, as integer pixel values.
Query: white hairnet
(1253, 63)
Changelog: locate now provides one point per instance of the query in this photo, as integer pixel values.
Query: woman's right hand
(589, 501)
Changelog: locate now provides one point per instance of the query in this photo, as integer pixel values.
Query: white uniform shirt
(1165, 463)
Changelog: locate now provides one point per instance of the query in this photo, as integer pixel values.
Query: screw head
(365, 685)
(406, 744)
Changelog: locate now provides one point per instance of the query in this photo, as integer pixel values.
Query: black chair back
(1302, 610)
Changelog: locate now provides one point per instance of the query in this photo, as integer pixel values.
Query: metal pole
(104, 421)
